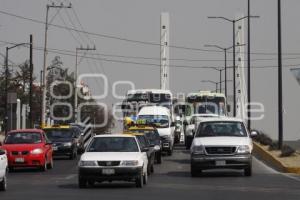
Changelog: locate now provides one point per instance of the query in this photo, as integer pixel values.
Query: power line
(127, 39)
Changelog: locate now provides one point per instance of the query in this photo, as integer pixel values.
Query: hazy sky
(140, 20)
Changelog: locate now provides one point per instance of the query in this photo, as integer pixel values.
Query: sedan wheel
(145, 179)
(82, 183)
(139, 182)
(3, 184)
(50, 164)
(43, 168)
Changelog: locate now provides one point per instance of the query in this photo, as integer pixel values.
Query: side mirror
(253, 133)
(228, 108)
(173, 124)
(185, 123)
(145, 149)
(2, 152)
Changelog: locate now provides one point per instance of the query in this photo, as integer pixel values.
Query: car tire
(248, 171)
(73, 155)
(145, 179)
(194, 171)
(50, 164)
(3, 184)
(139, 182)
(158, 158)
(43, 167)
(82, 183)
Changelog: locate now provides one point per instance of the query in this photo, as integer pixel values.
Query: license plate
(220, 163)
(55, 148)
(19, 160)
(108, 171)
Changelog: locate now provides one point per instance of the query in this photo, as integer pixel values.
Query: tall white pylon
(240, 75)
(164, 51)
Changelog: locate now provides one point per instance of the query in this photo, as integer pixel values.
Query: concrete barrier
(262, 153)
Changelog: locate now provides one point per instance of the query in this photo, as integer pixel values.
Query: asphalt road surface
(171, 180)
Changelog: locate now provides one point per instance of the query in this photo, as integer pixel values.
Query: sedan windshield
(113, 144)
(23, 138)
(160, 121)
(215, 129)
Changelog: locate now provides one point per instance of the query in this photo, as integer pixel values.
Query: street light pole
(30, 84)
(76, 77)
(280, 107)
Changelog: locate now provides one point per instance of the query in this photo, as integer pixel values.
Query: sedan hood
(21, 147)
(110, 156)
(222, 141)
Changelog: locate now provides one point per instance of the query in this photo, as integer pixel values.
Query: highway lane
(171, 181)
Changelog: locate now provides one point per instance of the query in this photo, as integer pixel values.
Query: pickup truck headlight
(129, 162)
(36, 151)
(87, 163)
(198, 149)
(244, 149)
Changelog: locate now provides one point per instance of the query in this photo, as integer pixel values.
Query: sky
(189, 27)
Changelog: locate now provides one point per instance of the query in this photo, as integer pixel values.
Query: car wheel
(194, 171)
(82, 183)
(152, 169)
(145, 179)
(50, 164)
(248, 171)
(139, 182)
(158, 158)
(3, 184)
(43, 167)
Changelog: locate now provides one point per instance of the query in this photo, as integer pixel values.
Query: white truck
(162, 119)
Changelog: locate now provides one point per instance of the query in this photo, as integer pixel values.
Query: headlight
(243, 149)
(198, 149)
(67, 144)
(129, 162)
(87, 163)
(37, 151)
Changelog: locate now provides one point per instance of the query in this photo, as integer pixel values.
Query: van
(161, 118)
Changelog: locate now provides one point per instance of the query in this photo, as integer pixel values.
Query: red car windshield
(23, 138)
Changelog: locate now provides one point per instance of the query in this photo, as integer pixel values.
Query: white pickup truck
(222, 143)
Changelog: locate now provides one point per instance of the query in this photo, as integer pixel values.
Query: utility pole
(43, 121)
(6, 91)
(280, 107)
(30, 84)
(76, 77)
(41, 98)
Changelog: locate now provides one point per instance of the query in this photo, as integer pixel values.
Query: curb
(272, 160)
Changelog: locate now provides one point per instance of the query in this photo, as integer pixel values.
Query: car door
(3, 162)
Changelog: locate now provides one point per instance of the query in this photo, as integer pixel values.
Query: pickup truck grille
(220, 150)
(109, 163)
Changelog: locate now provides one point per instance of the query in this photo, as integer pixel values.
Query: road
(170, 181)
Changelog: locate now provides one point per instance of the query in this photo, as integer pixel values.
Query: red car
(28, 148)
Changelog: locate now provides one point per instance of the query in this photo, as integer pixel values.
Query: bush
(274, 146)
(287, 151)
(264, 139)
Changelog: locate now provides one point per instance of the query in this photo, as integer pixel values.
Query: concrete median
(289, 164)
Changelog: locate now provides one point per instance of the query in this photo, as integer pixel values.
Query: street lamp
(225, 55)
(233, 21)
(6, 83)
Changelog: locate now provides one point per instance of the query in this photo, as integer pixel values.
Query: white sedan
(113, 158)
(3, 169)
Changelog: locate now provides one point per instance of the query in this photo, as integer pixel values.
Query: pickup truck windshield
(218, 129)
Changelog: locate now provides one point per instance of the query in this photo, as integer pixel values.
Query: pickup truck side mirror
(253, 133)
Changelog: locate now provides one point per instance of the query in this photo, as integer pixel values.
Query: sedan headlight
(36, 151)
(67, 144)
(198, 149)
(244, 149)
(129, 162)
(83, 163)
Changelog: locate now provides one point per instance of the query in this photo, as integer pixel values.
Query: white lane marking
(70, 176)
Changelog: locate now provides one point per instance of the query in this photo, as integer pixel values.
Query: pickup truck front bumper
(215, 162)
